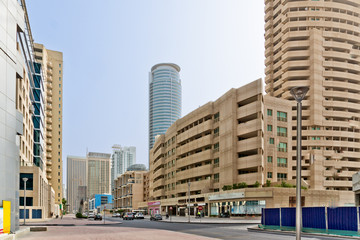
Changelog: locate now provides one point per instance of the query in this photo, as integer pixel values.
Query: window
(59, 85)
(282, 116)
(216, 162)
(29, 201)
(216, 132)
(269, 128)
(29, 182)
(269, 174)
(216, 147)
(216, 177)
(60, 79)
(59, 65)
(269, 159)
(282, 132)
(282, 147)
(216, 117)
(59, 71)
(315, 138)
(271, 140)
(269, 112)
(282, 162)
(282, 176)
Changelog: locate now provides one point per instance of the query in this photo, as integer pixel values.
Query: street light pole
(299, 94)
(189, 201)
(25, 180)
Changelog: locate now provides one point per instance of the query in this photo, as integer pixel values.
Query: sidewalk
(213, 220)
(71, 220)
(83, 229)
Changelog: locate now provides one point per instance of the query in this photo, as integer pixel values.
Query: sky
(109, 47)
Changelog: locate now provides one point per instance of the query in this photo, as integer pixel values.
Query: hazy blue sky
(109, 47)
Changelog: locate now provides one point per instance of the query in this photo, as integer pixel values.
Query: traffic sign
(200, 208)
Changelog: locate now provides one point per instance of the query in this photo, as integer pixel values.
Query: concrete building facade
(76, 180)
(164, 98)
(241, 140)
(98, 174)
(121, 159)
(12, 69)
(226, 142)
(317, 44)
(129, 190)
(52, 63)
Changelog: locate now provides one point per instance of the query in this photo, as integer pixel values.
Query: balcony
(192, 159)
(49, 120)
(49, 85)
(49, 92)
(49, 99)
(48, 127)
(49, 169)
(204, 186)
(48, 148)
(195, 172)
(48, 163)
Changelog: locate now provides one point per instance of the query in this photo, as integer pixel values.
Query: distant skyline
(109, 48)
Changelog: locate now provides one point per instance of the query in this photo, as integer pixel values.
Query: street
(116, 228)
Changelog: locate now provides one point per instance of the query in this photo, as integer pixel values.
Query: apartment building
(317, 44)
(129, 190)
(121, 159)
(52, 64)
(223, 143)
(98, 174)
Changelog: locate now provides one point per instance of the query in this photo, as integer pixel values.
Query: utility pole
(189, 183)
(25, 180)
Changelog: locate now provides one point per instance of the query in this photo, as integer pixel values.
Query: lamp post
(25, 180)
(299, 94)
(189, 183)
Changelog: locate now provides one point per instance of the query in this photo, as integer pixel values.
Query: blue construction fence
(338, 218)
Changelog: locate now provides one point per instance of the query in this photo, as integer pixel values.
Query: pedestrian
(199, 214)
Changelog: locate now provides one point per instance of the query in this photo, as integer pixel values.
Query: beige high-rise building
(75, 180)
(238, 138)
(52, 62)
(98, 174)
(317, 44)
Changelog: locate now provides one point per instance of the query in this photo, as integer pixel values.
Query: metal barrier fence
(339, 218)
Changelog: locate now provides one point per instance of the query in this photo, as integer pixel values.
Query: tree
(63, 201)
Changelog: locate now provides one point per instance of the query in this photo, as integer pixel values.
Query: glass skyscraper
(164, 98)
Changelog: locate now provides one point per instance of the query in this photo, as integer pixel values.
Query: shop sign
(226, 196)
(356, 181)
(154, 203)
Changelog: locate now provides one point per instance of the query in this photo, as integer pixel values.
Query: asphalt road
(219, 231)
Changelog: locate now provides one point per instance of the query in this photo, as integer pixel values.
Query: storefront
(154, 207)
(234, 204)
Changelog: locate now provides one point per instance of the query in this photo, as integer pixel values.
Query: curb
(302, 234)
(17, 234)
(239, 223)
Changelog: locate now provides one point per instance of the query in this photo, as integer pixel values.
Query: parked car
(156, 217)
(98, 217)
(128, 216)
(224, 215)
(91, 215)
(139, 216)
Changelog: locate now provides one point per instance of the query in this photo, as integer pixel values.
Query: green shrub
(227, 187)
(257, 184)
(268, 183)
(242, 185)
(79, 215)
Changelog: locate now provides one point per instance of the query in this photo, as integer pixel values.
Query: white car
(139, 216)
